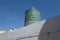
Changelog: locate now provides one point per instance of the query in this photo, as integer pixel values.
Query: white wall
(24, 32)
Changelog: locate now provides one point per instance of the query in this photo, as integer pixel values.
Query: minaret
(32, 16)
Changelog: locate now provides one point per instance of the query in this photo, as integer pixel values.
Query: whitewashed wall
(24, 33)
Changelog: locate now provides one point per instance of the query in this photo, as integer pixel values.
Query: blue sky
(12, 12)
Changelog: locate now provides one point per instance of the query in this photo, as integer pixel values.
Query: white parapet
(24, 33)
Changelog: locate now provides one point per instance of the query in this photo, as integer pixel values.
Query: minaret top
(31, 16)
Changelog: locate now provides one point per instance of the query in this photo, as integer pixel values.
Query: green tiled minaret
(32, 16)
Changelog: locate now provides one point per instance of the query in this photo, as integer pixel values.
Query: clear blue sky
(12, 12)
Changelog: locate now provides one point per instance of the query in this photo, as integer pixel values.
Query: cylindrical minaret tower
(31, 16)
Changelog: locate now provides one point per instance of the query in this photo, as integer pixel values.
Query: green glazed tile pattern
(31, 16)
